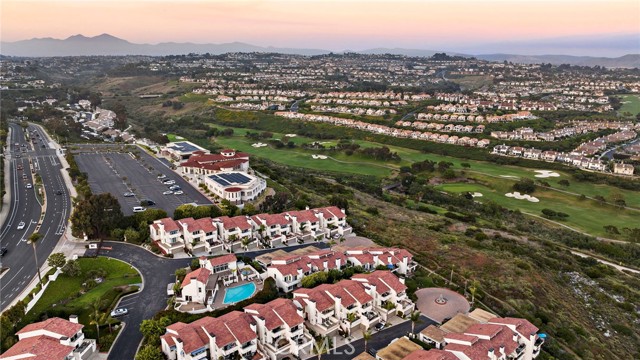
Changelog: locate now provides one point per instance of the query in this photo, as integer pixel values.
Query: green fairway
(585, 215)
(630, 104)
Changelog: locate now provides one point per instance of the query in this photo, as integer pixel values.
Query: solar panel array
(228, 179)
(184, 146)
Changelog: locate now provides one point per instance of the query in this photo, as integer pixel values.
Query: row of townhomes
(227, 233)
(52, 339)
(481, 335)
(282, 326)
(571, 159)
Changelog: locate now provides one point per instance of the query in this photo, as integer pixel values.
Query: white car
(162, 176)
(179, 192)
(168, 192)
(29, 186)
(139, 209)
(119, 312)
(21, 225)
(169, 182)
(129, 194)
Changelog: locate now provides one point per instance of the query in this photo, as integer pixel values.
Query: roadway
(26, 207)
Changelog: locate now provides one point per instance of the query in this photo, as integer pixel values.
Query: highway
(26, 207)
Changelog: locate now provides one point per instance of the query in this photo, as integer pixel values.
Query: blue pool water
(239, 293)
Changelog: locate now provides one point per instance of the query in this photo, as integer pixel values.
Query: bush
(525, 186)
(372, 210)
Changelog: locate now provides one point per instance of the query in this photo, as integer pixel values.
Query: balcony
(539, 341)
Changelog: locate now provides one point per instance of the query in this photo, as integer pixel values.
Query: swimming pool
(239, 293)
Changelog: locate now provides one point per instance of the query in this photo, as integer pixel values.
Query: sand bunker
(320, 157)
(476, 194)
(509, 176)
(258, 145)
(291, 135)
(179, 137)
(517, 195)
(546, 174)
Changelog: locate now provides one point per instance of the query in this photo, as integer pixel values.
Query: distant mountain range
(105, 44)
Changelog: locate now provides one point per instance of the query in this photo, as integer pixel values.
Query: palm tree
(96, 317)
(366, 336)
(473, 289)
(415, 317)
(322, 346)
(33, 239)
(245, 243)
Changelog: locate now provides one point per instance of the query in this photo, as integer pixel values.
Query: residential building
(397, 260)
(398, 349)
(623, 169)
(52, 339)
(388, 293)
(288, 271)
(280, 328)
(202, 285)
(229, 336)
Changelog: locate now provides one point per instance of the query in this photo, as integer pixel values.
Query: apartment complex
(226, 233)
(52, 339)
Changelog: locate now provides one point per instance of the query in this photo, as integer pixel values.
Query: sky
(329, 24)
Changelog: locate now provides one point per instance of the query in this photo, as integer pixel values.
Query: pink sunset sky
(326, 24)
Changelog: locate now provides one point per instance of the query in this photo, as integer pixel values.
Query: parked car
(162, 176)
(3, 250)
(147, 202)
(139, 209)
(119, 312)
(179, 192)
(379, 326)
(29, 186)
(169, 182)
(168, 192)
(175, 187)
(21, 225)
(129, 194)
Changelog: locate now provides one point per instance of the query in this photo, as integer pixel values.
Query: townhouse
(289, 271)
(397, 260)
(230, 336)
(482, 336)
(202, 285)
(342, 306)
(52, 339)
(227, 233)
(280, 329)
(389, 293)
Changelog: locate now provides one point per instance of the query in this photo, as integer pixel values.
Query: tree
(57, 260)
(152, 329)
(473, 289)
(525, 186)
(96, 215)
(245, 243)
(180, 274)
(149, 352)
(71, 268)
(415, 317)
(97, 317)
(33, 239)
(366, 336)
(321, 346)
(120, 122)
(564, 182)
(195, 264)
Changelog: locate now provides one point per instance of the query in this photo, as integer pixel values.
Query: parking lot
(119, 173)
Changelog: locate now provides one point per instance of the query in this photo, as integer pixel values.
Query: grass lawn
(64, 294)
(191, 97)
(631, 104)
(174, 137)
(586, 215)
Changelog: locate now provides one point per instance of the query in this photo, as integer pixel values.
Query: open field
(631, 104)
(64, 291)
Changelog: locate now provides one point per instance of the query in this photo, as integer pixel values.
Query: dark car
(3, 250)
(59, 192)
(147, 202)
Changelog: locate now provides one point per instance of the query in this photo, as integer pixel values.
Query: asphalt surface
(107, 172)
(156, 273)
(379, 340)
(25, 207)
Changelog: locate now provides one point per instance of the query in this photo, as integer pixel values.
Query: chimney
(306, 208)
(490, 354)
(401, 280)
(515, 337)
(73, 318)
(502, 350)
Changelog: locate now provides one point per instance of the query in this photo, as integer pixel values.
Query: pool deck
(218, 301)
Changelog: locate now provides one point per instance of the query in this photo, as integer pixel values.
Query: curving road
(26, 207)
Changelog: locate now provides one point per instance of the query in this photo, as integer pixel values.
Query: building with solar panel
(236, 187)
(182, 150)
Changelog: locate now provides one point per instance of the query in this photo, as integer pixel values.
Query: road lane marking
(12, 278)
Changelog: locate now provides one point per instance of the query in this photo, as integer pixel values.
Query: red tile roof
(270, 219)
(38, 348)
(169, 224)
(304, 215)
(322, 299)
(331, 211)
(433, 354)
(522, 326)
(224, 259)
(240, 222)
(384, 280)
(201, 275)
(277, 313)
(55, 325)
